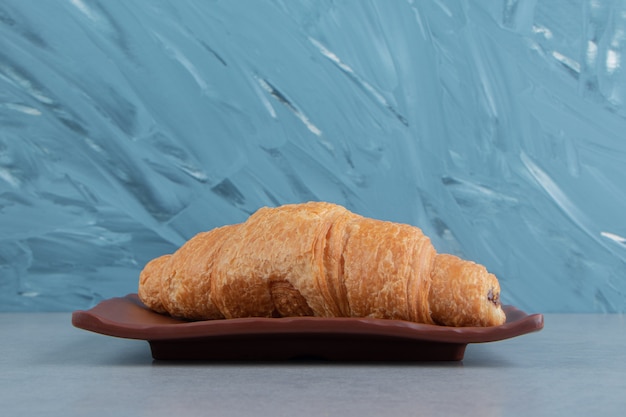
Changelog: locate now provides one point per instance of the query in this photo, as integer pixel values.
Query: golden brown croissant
(319, 259)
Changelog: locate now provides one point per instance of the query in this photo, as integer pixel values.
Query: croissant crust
(319, 259)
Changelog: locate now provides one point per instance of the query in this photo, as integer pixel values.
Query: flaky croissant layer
(319, 259)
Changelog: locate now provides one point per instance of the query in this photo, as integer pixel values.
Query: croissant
(319, 259)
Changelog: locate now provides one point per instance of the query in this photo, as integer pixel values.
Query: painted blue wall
(497, 127)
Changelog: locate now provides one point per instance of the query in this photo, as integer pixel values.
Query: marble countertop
(575, 366)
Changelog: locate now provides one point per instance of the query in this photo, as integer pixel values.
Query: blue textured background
(497, 127)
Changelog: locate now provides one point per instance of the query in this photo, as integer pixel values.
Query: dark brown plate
(353, 339)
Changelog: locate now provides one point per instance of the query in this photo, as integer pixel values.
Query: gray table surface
(575, 366)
